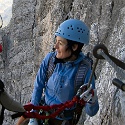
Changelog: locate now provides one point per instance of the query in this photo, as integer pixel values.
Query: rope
(58, 109)
(120, 72)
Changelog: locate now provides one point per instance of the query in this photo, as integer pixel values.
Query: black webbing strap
(84, 65)
(83, 68)
(51, 66)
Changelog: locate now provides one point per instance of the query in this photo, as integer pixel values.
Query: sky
(6, 11)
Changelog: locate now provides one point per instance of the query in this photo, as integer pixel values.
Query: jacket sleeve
(39, 82)
(91, 109)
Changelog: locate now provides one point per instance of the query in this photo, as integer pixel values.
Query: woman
(70, 37)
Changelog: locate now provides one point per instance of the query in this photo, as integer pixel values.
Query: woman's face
(61, 48)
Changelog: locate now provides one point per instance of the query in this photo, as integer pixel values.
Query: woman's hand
(22, 121)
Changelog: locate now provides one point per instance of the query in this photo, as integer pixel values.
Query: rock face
(30, 36)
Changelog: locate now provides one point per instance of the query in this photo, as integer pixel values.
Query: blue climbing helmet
(75, 30)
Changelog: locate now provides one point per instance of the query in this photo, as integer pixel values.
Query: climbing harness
(84, 65)
(83, 95)
(58, 107)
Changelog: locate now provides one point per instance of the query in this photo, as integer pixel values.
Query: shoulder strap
(51, 66)
(84, 65)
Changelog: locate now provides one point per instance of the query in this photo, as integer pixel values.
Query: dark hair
(70, 45)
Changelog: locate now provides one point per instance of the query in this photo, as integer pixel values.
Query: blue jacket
(60, 86)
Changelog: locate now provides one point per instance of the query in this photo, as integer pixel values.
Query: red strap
(92, 91)
(59, 107)
(0, 48)
(30, 106)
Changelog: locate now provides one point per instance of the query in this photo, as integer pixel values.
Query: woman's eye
(60, 43)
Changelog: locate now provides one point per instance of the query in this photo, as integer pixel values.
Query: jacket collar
(79, 59)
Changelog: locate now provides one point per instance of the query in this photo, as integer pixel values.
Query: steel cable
(120, 72)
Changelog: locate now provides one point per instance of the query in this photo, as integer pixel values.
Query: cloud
(6, 11)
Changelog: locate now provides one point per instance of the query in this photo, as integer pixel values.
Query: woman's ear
(74, 47)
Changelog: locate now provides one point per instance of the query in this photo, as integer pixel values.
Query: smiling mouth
(57, 51)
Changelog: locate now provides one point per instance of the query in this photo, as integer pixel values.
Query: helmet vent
(70, 27)
(88, 33)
